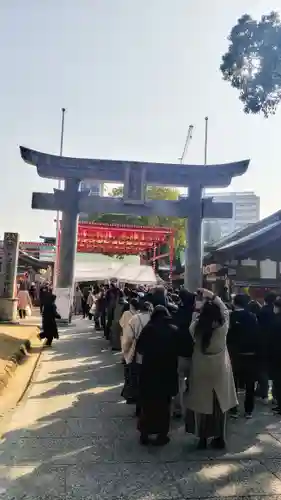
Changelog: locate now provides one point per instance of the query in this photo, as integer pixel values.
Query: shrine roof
(251, 238)
(247, 230)
(25, 258)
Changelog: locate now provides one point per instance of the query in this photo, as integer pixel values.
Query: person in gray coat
(211, 385)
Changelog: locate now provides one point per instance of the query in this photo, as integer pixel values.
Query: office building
(246, 210)
(96, 189)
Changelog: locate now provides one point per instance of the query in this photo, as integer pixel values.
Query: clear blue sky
(133, 75)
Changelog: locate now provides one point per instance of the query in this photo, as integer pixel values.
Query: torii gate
(135, 176)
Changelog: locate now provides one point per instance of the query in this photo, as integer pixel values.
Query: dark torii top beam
(160, 174)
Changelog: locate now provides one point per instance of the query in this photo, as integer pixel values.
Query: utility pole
(60, 185)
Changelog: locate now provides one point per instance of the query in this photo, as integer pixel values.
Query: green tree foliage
(252, 63)
(153, 193)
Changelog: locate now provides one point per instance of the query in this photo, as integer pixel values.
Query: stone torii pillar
(135, 176)
(193, 263)
(68, 235)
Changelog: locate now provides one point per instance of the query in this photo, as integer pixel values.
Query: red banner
(115, 239)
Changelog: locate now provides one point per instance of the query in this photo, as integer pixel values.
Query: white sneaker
(248, 416)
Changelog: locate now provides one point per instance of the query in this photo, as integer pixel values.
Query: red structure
(121, 239)
(115, 239)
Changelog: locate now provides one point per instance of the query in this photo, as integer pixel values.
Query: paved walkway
(72, 437)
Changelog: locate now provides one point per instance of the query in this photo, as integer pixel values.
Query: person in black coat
(44, 294)
(182, 319)
(49, 325)
(159, 297)
(265, 319)
(111, 298)
(254, 307)
(84, 301)
(274, 353)
(243, 344)
(157, 351)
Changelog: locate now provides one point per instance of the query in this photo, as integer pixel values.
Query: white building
(246, 210)
(96, 189)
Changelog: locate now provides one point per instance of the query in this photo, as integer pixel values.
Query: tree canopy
(252, 63)
(153, 193)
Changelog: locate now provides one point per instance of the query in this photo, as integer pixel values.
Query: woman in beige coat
(131, 334)
(211, 386)
(24, 301)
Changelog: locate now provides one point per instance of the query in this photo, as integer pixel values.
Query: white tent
(126, 273)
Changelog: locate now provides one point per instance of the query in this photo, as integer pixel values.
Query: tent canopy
(126, 273)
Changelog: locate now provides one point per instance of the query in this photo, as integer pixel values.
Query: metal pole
(206, 140)
(63, 110)
(203, 190)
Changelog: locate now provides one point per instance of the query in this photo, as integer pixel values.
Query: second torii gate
(135, 176)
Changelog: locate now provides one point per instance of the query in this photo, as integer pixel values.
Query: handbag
(93, 309)
(28, 311)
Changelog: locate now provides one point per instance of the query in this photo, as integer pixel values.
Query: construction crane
(187, 142)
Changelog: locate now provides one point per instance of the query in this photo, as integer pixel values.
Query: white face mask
(198, 305)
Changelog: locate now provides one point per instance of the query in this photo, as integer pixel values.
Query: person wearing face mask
(274, 353)
(130, 334)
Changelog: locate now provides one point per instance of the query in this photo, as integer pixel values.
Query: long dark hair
(160, 313)
(144, 306)
(209, 314)
(134, 303)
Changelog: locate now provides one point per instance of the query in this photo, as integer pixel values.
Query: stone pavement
(34, 319)
(72, 437)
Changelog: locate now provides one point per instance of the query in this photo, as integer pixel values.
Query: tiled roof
(251, 236)
(247, 231)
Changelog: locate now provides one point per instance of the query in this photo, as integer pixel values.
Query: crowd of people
(185, 355)
(188, 355)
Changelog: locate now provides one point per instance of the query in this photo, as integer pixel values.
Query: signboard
(211, 269)
(10, 262)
